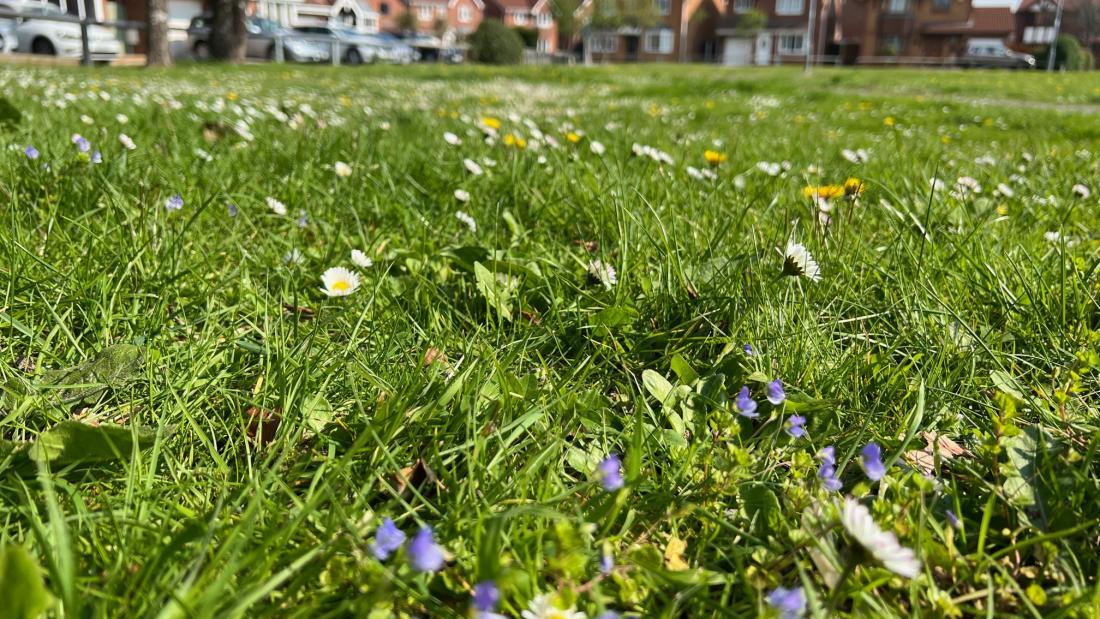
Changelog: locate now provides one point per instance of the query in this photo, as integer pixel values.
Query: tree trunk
(240, 34)
(228, 35)
(157, 33)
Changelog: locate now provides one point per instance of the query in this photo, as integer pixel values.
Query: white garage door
(737, 52)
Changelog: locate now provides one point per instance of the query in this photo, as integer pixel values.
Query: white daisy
(542, 607)
(465, 218)
(462, 195)
(855, 156)
(360, 259)
(597, 148)
(87, 120)
(798, 260)
(473, 167)
(277, 207)
(452, 139)
(769, 168)
(603, 273)
(342, 169)
(122, 119)
(339, 282)
(1081, 191)
(293, 256)
(1004, 191)
(126, 141)
(883, 545)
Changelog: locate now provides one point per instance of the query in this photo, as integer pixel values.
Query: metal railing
(85, 23)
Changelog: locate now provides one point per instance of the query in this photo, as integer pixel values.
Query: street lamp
(1054, 39)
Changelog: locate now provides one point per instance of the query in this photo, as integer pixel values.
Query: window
(543, 46)
(664, 7)
(792, 43)
(658, 41)
(519, 19)
(1038, 34)
(464, 14)
(384, 8)
(425, 12)
(544, 20)
(743, 6)
(897, 6)
(604, 43)
(890, 46)
(788, 7)
(941, 5)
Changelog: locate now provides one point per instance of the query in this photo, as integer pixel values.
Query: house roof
(477, 3)
(983, 21)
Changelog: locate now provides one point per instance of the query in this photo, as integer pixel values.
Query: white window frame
(604, 43)
(664, 39)
(782, 46)
(897, 7)
(424, 12)
(1036, 35)
(464, 15)
(544, 20)
(543, 45)
(743, 6)
(786, 7)
(519, 18)
(664, 7)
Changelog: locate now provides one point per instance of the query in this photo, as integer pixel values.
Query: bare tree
(156, 22)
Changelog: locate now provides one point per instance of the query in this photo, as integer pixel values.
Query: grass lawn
(561, 343)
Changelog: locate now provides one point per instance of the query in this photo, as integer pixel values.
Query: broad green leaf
(495, 292)
(109, 369)
(657, 386)
(22, 593)
(73, 441)
(614, 316)
(1020, 479)
(683, 370)
(762, 506)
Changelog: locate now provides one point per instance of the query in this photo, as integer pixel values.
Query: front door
(737, 52)
(764, 48)
(631, 47)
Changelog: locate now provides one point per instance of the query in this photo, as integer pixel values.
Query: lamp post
(1054, 39)
(810, 36)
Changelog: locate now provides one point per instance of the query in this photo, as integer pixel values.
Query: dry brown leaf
(434, 355)
(925, 459)
(419, 476)
(263, 424)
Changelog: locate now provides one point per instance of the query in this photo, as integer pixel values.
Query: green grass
(252, 432)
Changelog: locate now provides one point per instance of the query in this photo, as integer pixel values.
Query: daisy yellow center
(340, 285)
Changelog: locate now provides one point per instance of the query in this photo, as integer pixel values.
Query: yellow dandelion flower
(714, 157)
(572, 137)
(823, 192)
(889, 121)
(489, 121)
(232, 96)
(853, 187)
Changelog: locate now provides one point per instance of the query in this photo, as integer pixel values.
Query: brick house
(1080, 19)
(680, 31)
(782, 37)
(528, 14)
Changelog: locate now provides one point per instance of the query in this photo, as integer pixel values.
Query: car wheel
(353, 57)
(202, 50)
(43, 46)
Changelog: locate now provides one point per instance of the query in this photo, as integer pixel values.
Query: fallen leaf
(263, 424)
(925, 459)
(434, 355)
(419, 476)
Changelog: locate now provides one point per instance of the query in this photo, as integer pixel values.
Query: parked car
(354, 47)
(995, 55)
(8, 38)
(261, 43)
(38, 35)
(399, 51)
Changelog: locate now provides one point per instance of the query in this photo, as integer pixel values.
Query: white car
(37, 35)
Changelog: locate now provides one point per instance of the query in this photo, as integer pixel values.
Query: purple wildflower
(387, 539)
(31, 152)
(748, 350)
(424, 554)
(790, 603)
(97, 157)
(746, 406)
(486, 596)
(952, 519)
(610, 473)
(82, 143)
(776, 395)
(174, 203)
(303, 220)
(231, 209)
(872, 462)
(608, 614)
(827, 472)
(607, 563)
(795, 425)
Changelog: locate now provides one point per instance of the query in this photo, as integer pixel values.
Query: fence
(131, 28)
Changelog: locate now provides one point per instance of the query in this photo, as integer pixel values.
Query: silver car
(353, 47)
(264, 36)
(48, 30)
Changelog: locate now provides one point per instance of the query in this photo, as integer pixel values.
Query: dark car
(263, 35)
(995, 55)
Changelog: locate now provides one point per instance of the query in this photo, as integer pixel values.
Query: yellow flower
(889, 121)
(714, 157)
(232, 96)
(853, 187)
(572, 137)
(512, 140)
(823, 192)
(489, 121)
